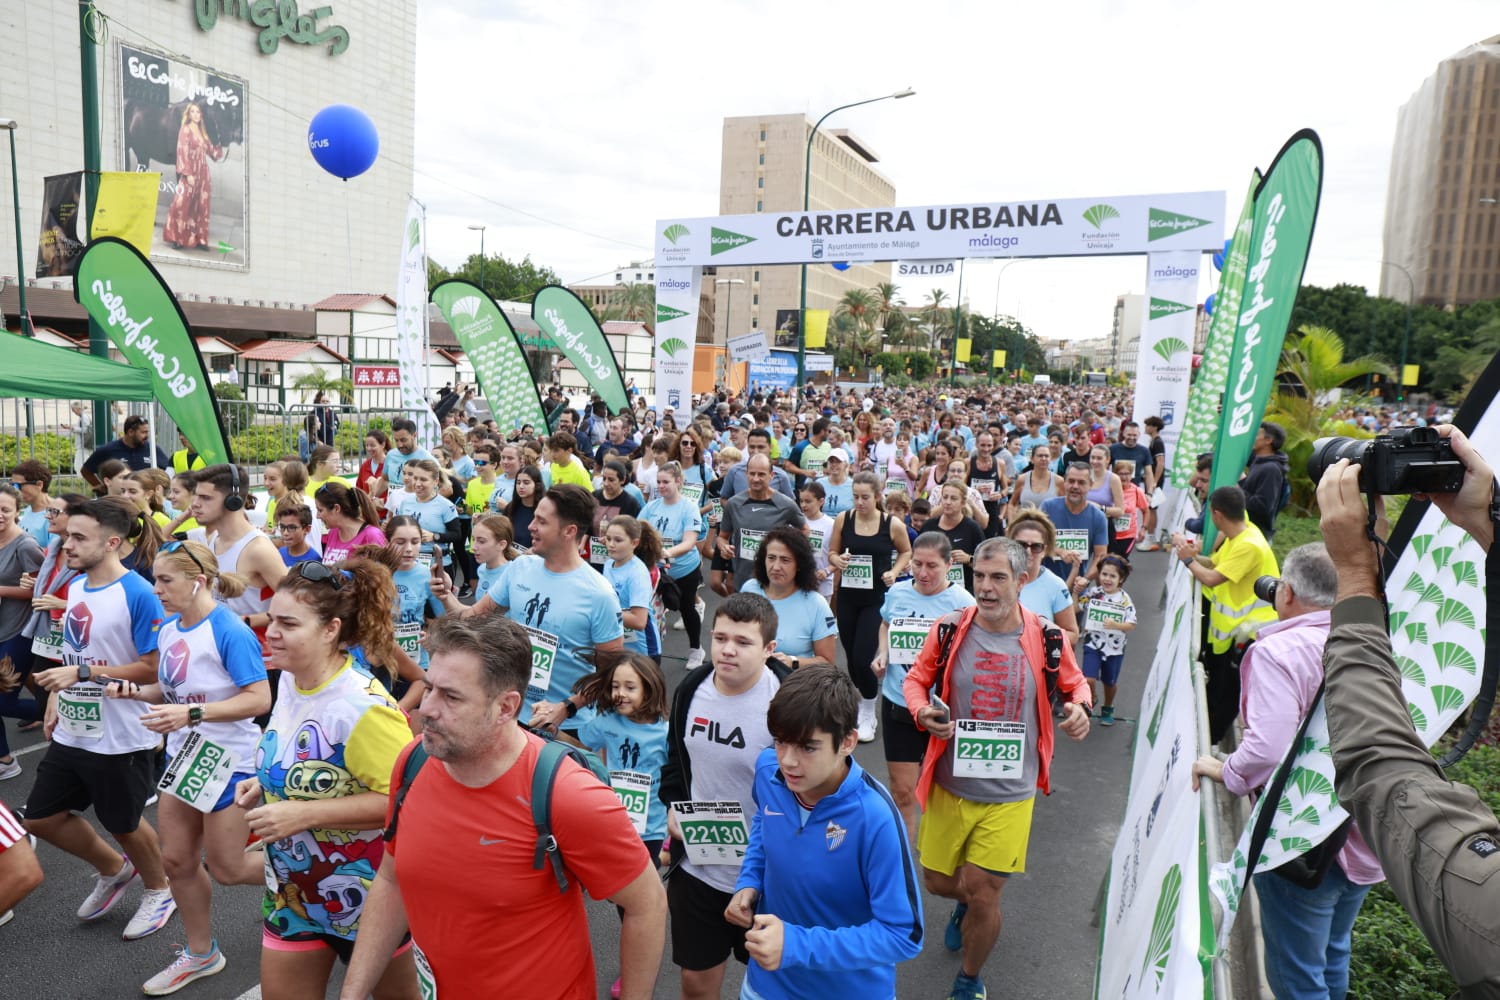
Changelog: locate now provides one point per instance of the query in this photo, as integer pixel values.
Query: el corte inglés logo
(665, 313)
(1166, 307)
(720, 240)
(1161, 224)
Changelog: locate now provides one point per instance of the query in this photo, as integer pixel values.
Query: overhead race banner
(1201, 427)
(676, 334)
(1155, 924)
(1165, 361)
(1062, 227)
(59, 246)
(126, 296)
(495, 352)
(571, 325)
(188, 122)
(411, 327)
(1438, 641)
(1286, 207)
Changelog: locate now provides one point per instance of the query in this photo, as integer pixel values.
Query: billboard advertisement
(187, 122)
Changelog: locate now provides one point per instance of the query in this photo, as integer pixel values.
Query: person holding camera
(1306, 930)
(1242, 557)
(1436, 840)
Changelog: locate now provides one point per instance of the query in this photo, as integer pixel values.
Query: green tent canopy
(44, 371)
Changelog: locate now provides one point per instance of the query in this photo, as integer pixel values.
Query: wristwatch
(84, 673)
(569, 707)
(195, 714)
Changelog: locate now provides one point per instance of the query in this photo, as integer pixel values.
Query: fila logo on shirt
(711, 729)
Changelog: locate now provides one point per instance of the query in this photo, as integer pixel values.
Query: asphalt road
(1047, 946)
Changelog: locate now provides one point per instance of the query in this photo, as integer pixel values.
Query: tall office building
(761, 169)
(1442, 215)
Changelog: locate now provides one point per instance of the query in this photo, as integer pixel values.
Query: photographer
(1436, 841)
(1306, 930)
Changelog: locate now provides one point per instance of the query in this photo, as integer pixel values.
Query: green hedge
(54, 450)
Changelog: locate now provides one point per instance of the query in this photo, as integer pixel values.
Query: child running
(634, 550)
(819, 525)
(413, 582)
(1107, 613)
(494, 549)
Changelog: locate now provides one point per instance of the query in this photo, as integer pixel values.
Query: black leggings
(859, 632)
(687, 586)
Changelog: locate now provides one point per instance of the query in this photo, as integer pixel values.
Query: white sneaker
(183, 970)
(7, 917)
(702, 608)
(107, 892)
(677, 626)
(157, 907)
(867, 719)
(694, 659)
(12, 769)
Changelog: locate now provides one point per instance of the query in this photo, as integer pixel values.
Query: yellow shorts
(991, 835)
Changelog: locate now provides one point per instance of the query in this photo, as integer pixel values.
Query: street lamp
(1411, 293)
(806, 191)
(10, 125)
(481, 255)
(729, 302)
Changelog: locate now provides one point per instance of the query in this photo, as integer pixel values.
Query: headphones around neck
(235, 500)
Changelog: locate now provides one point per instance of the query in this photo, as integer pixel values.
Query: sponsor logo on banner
(466, 306)
(1162, 224)
(817, 250)
(1171, 272)
(1098, 215)
(1166, 307)
(674, 398)
(722, 240)
(672, 345)
(665, 313)
(676, 232)
(674, 283)
(1169, 347)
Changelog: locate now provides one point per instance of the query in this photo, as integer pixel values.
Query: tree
(634, 302)
(316, 381)
(937, 316)
(505, 280)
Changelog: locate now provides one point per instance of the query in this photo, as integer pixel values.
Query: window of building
(758, 206)
(762, 135)
(619, 277)
(754, 275)
(754, 320)
(755, 300)
(762, 159)
(760, 182)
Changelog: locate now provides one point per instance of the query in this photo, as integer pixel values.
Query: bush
(263, 443)
(53, 450)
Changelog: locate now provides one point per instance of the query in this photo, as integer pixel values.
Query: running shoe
(1150, 546)
(7, 917)
(183, 970)
(1107, 715)
(867, 720)
(10, 769)
(953, 935)
(694, 659)
(967, 988)
(107, 892)
(614, 990)
(157, 907)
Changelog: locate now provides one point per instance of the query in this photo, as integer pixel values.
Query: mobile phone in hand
(938, 704)
(437, 561)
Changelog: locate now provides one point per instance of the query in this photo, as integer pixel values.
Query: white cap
(840, 454)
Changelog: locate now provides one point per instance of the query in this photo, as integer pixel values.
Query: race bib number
(426, 981)
(598, 552)
(633, 789)
(1122, 524)
(716, 511)
(49, 644)
(1073, 540)
(988, 749)
(409, 638)
(956, 574)
(895, 486)
(859, 574)
(817, 541)
(80, 711)
(814, 468)
(750, 542)
(713, 833)
(199, 773)
(543, 656)
(424, 560)
(1099, 614)
(907, 637)
(693, 493)
(984, 487)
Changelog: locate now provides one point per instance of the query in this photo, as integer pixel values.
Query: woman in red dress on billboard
(187, 219)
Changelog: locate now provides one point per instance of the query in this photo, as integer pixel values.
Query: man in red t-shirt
(458, 869)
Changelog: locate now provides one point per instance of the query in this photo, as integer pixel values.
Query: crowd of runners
(368, 693)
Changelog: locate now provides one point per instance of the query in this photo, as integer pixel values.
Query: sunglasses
(316, 572)
(1033, 546)
(480, 463)
(181, 547)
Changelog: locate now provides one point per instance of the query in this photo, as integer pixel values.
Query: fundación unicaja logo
(675, 232)
(672, 345)
(1169, 347)
(1162, 224)
(721, 240)
(665, 313)
(468, 306)
(1098, 215)
(413, 234)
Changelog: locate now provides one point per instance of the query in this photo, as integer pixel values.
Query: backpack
(1052, 646)
(548, 763)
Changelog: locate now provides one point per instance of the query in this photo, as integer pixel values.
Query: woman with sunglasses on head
(351, 519)
(32, 478)
(322, 777)
(324, 465)
(1047, 594)
(211, 684)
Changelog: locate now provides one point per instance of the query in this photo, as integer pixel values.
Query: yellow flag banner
(999, 361)
(965, 346)
(817, 328)
(1409, 374)
(126, 208)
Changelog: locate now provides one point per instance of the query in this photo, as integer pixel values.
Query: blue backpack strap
(414, 762)
(548, 762)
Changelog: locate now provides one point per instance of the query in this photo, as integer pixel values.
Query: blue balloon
(343, 140)
(1219, 257)
(841, 265)
(1208, 306)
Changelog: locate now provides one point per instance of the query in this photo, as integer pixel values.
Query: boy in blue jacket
(830, 915)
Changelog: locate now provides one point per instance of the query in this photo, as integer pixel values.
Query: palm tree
(860, 304)
(1305, 404)
(318, 380)
(937, 315)
(634, 303)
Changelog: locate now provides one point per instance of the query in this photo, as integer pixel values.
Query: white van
(1041, 380)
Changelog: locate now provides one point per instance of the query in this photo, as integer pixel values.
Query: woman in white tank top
(1037, 484)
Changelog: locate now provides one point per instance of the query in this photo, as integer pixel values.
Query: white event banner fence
(411, 325)
(1164, 365)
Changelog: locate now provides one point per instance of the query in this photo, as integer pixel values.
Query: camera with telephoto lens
(1410, 460)
(1265, 588)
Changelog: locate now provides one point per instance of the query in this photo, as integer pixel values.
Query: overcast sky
(568, 128)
